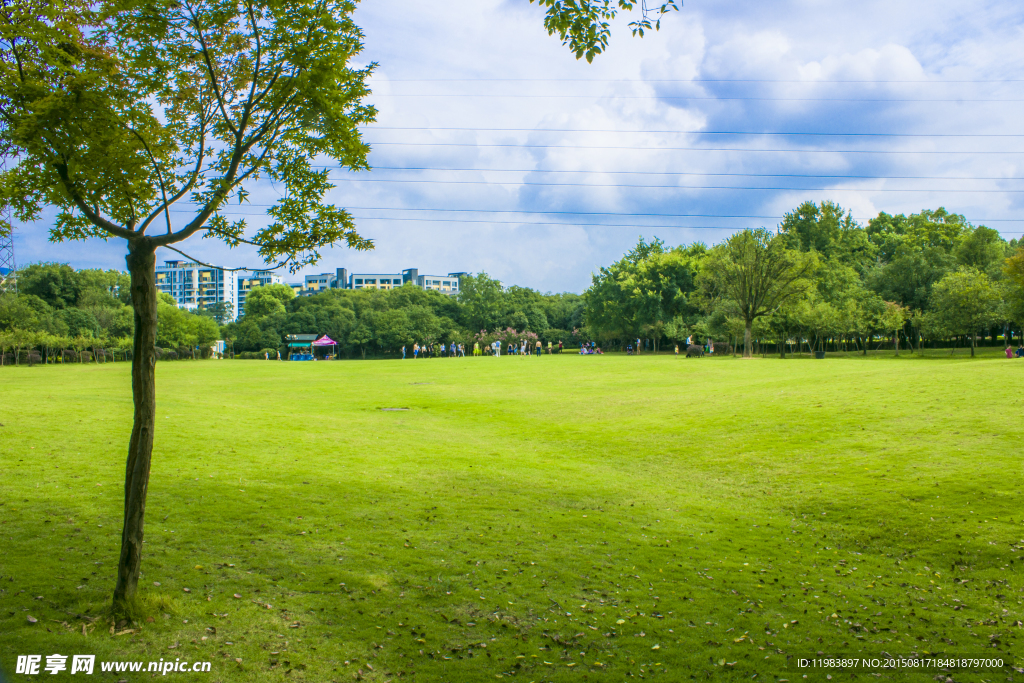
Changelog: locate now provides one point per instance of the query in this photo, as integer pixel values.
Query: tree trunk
(973, 337)
(141, 265)
(782, 345)
(746, 338)
(896, 342)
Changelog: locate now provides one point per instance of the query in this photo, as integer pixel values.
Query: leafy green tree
(939, 229)
(115, 112)
(80, 322)
(964, 302)
(892, 320)
(247, 336)
(829, 230)
(643, 290)
(481, 298)
(221, 312)
(55, 283)
(982, 248)
(16, 313)
(909, 276)
(360, 337)
(260, 303)
(757, 272)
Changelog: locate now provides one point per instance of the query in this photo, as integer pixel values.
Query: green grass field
(552, 519)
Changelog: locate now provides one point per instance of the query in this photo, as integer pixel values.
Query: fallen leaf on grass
(237, 596)
(32, 620)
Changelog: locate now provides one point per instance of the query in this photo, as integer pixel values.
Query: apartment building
(342, 279)
(195, 286)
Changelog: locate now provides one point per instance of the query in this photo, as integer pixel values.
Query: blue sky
(495, 150)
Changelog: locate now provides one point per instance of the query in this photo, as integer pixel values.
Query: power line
(702, 132)
(686, 149)
(687, 173)
(565, 224)
(596, 213)
(690, 98)
(696, 80)
(669, 187)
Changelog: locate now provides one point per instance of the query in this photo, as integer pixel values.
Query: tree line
(820, 281)
(64, 314)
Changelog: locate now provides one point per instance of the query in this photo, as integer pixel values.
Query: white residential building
(194, 286)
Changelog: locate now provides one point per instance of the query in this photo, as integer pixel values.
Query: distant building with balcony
(448, 284)
(195, 286)
(342, 279)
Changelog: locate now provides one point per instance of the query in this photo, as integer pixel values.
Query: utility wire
(565, 224)
(702, 132)
(690, 98)
(668, 187)
(686, 149)
(591, 213)
(696, 80)
(685, 173)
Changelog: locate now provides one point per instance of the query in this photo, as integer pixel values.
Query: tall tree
(118, 111)
(757, 271)
(964, 302)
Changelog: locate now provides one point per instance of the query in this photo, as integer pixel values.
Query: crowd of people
(457, 350)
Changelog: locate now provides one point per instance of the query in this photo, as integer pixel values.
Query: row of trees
(380, 322)
(69, 309)
(821, 278)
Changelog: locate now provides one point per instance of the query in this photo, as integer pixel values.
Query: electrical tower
(8, 277)
(8, 268)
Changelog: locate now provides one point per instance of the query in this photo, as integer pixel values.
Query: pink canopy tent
(325, 341)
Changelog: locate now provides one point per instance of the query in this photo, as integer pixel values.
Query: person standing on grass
(538, 348)
(559, 345)
(403, 351)
(677, 349)
(1009, 353)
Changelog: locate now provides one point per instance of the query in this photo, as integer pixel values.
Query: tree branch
(159, 176)
(187, 186)
(282, 264)
(93, 216)
(209, 68)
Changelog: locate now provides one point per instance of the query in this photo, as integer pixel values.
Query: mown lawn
(551, 519)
